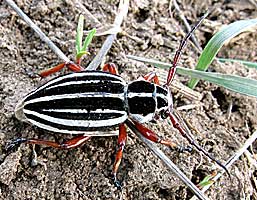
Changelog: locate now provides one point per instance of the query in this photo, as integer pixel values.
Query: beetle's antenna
(184, 131)
(178, 53)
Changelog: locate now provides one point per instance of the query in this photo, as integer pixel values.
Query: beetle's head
(164, 102)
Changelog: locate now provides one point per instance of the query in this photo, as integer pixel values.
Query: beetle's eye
(164, 114)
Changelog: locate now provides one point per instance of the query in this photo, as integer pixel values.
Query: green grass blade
(79, 34)
(156, 63)
(88, 39)
(246, 63)
(217, 41)
(206, 181)
(81, 53)
(232, 82)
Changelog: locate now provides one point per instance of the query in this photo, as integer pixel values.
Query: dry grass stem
(122, 13)
(40, 33)
(182, 17)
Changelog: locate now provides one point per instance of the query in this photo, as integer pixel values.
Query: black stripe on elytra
(87, 103)
(101, 87)
(141, 87)
(69, 128)
(82, 116)
(141, 105)
(87, 76)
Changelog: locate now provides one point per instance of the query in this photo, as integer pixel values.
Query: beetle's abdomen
(78, 102)
(141, 100)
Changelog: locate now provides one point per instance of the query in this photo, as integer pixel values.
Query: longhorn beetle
(86, 102)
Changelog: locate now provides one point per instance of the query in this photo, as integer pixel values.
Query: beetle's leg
(152, 76)
(110, 67)
(150, 135)
(72, 143)
(71, 66)
(183, 132)
(121, 144)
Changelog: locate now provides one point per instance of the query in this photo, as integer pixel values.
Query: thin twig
(182, 17)
(251, 159)
(167, 162)
(186, 91)
(231, 160)
(254, 3)
(229, 110)
(188, 107)
(122, 13)
(40, 33)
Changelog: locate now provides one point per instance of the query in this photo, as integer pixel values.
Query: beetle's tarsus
(182, 149)
(118, 185)
(116, 182)
(30, 73)
(14, 144)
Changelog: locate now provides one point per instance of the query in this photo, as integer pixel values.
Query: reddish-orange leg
(152, 136)
(71, 66)
(110, 67)
(121, 144)
(149, 134)
(152, 77)
(72, 143)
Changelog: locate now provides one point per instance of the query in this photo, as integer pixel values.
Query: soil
(153, 30)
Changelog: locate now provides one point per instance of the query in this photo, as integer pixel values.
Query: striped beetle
(90, 103)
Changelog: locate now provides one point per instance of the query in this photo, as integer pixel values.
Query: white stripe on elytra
(73, 96)
(85, 111)
(87, 133)
(88, 94)
(80, 74)
(78, 123)
(79, 82)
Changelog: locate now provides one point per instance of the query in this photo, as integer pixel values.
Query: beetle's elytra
(85, 102)
(91, 100)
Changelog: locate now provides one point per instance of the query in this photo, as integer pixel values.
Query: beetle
(91, 103)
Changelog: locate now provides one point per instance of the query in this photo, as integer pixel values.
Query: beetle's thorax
(146, 100)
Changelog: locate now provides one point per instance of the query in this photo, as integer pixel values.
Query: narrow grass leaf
(217, 41)
(88, 39)
(206, 181)
(246, 63)
(81, 53)
(79, 34)
(150, 61)
(232, 82)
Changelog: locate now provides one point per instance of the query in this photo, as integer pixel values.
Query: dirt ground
(152, 29)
